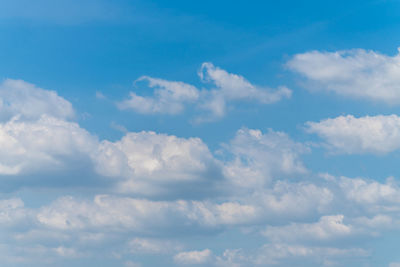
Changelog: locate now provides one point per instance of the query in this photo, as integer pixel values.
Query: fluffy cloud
(356, 73)
(29, 146)
(370, 134)
(169, 97)
(235, 87)
(150, 163)
(30, 102)
(13, 212)
(372, 194)
(231, 87)
(163, 187)
(261, 157)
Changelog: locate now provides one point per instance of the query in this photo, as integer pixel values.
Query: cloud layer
(162, 190)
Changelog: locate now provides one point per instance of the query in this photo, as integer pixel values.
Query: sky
(199, 133)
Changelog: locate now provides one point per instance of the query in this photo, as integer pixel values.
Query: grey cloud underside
(154, 188)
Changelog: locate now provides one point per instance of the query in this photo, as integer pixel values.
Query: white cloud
(169, 97)
(261, 157)
(29, 146)
(255, 184)
(13, 212)
(193, 257)
(370, 134)
(355, 73)
(292, 201)
(30, 102)
(151, 161)
(236, 87)
(140, 215)
(232, 87)
(372, 194)
(327, 228)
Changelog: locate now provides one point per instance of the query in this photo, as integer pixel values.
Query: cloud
(30, 102)
(327, 228)
(169, 97)
(231, 87)
(193, 257)
(152, 246)
(372, 194)
(77, 223)
(45, 144)
(149, 163)
(142, 216)
(164, 187)
(13, 212)
(370, 134)
(236, 87)
(354, 73)
(259, 157)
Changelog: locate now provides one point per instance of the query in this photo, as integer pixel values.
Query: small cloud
(118, 127)
(193, 257)
(100, 95)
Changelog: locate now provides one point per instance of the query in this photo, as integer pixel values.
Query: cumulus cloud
(150, 163)
(259, 157)
(355, 73)
(236, 87)
(107, 216)
(169, 97)
(38, 138)
(232, 87)
(18, 97)
(29, 146)
(372, 194)
(348, 134)
(163, 187)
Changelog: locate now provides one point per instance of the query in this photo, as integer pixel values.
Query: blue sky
(208, 133)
